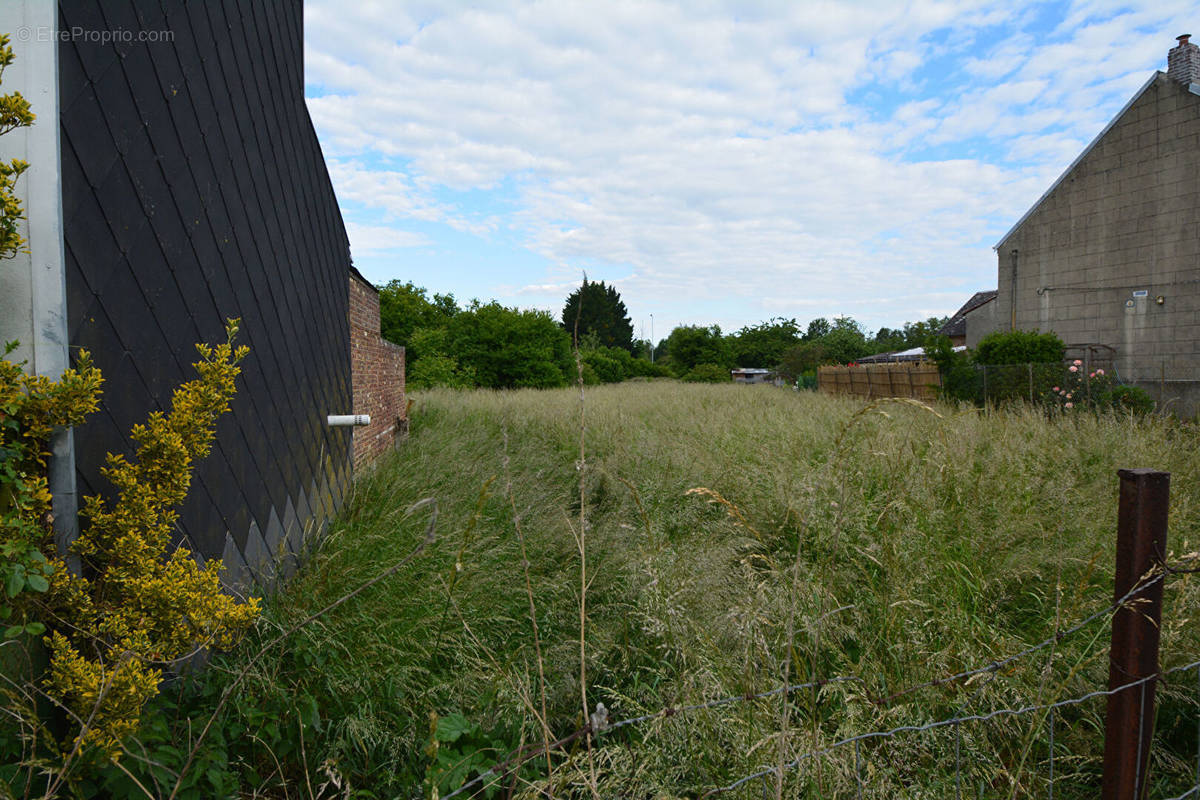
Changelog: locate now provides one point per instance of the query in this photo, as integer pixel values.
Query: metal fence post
(1141, 544)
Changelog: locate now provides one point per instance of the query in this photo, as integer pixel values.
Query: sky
(718, 162)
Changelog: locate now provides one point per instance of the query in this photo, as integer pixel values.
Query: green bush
(708, 373)
(615, 364)
(689, 346)
(607, 368)
(1132, 398)
(642, 368)
(1019, 347)
(959, 379)
(436, 369)
(509, 348)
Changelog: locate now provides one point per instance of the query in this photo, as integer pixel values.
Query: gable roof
(1091, 145)
(957, 326)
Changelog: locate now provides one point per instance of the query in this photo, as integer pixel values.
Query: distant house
(191, 188)
(752, 375)
(1109, 256)
(976, 317)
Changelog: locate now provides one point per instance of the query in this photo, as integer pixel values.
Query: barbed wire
(1056, 637)
(522, 755)
(957, 720)
(671, 711)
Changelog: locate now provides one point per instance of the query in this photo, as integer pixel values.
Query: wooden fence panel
(917, 380)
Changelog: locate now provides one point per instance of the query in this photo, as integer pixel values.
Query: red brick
(377, 378)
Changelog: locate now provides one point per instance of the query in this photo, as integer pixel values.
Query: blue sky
(719, 162)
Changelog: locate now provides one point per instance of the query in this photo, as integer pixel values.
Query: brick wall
(377, 375)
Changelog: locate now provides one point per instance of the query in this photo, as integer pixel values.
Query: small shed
(752, 375)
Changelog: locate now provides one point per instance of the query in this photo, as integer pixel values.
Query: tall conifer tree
(600, 311)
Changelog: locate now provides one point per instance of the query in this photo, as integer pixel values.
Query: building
(1109, 256)
(969, 324)
(177, 181)
(911, 354)
(752, 375)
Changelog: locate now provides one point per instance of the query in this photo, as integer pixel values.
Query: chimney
(1183, 62)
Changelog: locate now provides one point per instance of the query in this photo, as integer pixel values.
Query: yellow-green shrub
(137, 609)
(14, 113)
(31, 407)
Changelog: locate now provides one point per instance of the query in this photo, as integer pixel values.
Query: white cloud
(372, 239)
(714, 150)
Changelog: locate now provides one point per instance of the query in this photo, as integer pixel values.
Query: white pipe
(339, 420)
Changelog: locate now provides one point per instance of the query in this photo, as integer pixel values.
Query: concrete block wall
(1112, 254)
(377, 370)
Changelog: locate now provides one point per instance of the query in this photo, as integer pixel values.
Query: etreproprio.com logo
(100, 36)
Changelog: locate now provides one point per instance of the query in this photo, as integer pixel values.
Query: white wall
(33, 302)
(32, 286)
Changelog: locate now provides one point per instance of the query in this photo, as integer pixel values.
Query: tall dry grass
(890, 542)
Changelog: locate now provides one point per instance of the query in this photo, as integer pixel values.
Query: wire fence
(600, 729)
(1141, 683)
(1093, 380)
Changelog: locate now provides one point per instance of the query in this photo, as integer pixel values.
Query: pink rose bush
(1081, 389)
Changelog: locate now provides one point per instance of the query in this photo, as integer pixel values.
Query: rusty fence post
(1141, 544)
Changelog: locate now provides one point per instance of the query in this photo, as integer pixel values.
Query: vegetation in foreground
(835, 539)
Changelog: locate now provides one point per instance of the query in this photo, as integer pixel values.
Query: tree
(959, 381)
(846, 341)
(404, 307)
(435, 367)
(600, 311)
(510, 348)
(763, 345)
(802, 358)
(913, 334)
(839, 342)
(817, 328)
(689, 345)
(888, 340)
(917, 333)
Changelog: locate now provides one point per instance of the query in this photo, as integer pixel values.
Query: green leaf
(37, 583)
(452, 726)
(14, 631)
(15, 583)
(35, 628)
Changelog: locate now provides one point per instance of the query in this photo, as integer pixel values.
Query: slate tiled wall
(194, 189)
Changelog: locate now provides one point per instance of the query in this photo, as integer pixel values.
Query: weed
(902, 548)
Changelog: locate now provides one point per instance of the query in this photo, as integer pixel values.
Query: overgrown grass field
(894, 543)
